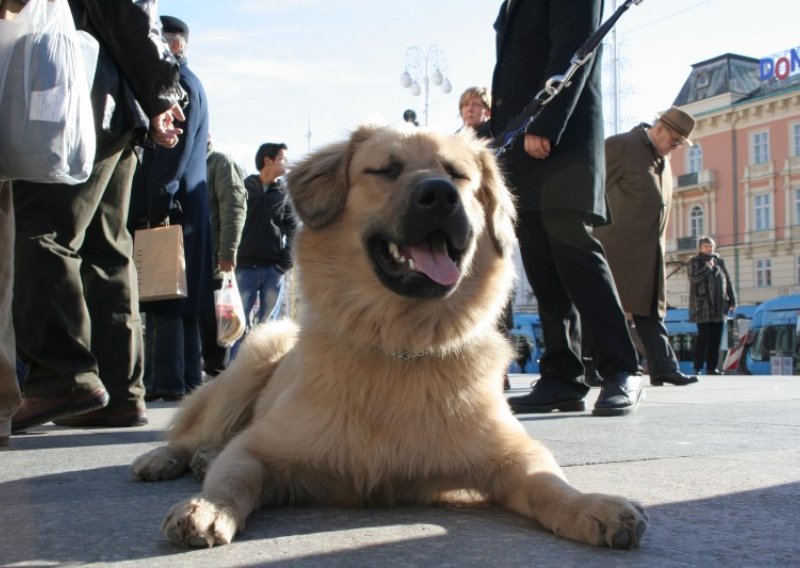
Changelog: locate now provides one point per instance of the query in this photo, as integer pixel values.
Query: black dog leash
(554, 85)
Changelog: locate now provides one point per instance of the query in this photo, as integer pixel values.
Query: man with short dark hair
(264, 254)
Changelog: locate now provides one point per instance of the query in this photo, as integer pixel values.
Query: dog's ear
(498, 203)
(318, 184)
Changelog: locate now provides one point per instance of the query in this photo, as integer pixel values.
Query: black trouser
(709, 337)
(661, 357)
(75, 298)
(569, 274)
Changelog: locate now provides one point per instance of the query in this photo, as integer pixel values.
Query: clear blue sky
(267, 65)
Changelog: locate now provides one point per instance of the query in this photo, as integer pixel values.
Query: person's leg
(714, 340)
(701, 346)
(582, 267)
(10, 397)
(193, 372)
(562, 355)
(561, 384)
(109, 277)
(166, 353)
(277, 309)
(247, 281)
(270, 281)
(51, 316)
(660, 355)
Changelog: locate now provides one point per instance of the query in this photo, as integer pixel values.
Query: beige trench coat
(639, 192)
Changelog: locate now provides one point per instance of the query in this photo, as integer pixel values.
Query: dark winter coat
(268, 228)
(128, 89)
(711, 292)
(175, 183)
(536, 41)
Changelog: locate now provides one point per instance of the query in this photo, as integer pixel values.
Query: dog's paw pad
(615, 522)
(161, 463)
(198, 522)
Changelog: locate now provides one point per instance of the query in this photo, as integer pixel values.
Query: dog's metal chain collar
(405, 355)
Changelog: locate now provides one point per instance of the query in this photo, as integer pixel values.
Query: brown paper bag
(160, 263)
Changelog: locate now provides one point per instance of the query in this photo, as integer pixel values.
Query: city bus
(773, 341)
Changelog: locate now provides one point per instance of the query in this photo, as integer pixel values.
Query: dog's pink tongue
(436, 264)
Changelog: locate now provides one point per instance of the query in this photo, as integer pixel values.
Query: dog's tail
(224, 406)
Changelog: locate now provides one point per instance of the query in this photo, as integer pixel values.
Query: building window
(796, 139)
(762, 209)
(797, 270)
(696, 222)
(695, 159)
(797, 206)
(760, 147)
(763, 273)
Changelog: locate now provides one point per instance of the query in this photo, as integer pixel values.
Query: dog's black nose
(436, 196)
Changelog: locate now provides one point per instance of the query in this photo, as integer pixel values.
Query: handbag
(160, 263)
(47, 134)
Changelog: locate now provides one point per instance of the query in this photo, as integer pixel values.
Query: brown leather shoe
(37, 410)
(105, 418)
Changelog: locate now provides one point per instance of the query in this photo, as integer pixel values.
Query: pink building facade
(740, 182)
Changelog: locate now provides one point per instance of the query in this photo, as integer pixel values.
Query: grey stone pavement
(716, 464)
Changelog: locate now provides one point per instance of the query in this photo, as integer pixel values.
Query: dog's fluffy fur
(389, 389)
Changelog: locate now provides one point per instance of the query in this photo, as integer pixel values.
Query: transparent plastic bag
(230, 311)
(47, 131)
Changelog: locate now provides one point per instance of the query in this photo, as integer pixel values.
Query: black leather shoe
(714, 372)
(673, 377)
(549, 395)
(621, 394)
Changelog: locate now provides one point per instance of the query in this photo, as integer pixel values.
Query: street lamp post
(422, 69)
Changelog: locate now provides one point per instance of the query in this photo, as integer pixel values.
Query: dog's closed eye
(454, 172)
(391, 171)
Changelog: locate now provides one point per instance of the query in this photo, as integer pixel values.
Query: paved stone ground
(717, 465)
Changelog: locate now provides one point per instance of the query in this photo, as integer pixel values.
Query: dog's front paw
(198, 522)
(201, 461)
(158, 464)
(615, 522)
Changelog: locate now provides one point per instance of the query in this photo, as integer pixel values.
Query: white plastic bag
(230, 311)
(47, 128)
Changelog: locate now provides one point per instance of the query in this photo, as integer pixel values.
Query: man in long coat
(639, 188)
(556, 173)
(175, 181)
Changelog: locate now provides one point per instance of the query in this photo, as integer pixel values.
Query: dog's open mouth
(428, 268)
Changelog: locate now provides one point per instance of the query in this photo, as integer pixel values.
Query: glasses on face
(677, 142)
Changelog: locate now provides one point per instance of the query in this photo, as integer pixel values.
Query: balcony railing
(701, 179)
(687, 243)
(687, 179)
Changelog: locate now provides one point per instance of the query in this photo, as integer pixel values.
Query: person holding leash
(557, 174)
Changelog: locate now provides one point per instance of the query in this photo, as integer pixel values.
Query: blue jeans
(264, 283)
(172, 355)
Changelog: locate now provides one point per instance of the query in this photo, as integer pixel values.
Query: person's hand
(226, 265)
(537, 146)
(163, 129)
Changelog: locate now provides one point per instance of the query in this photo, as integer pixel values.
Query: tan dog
(389, 391)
